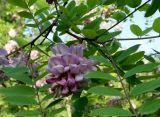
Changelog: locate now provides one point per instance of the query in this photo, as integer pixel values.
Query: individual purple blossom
(34, 73)
(3, 52)
(67, 68)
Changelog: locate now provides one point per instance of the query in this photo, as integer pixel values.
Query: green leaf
(156, 25)
(111, 112)
(79, 106)
(134, 58)
(75, 29)
(47, 97)
(71, 5)
(55, 112)
(92, 3)
(25, 14)
(20, 90)
(28, 113)
(152, 8)
(41, 3)
(145, 87)
(108, 36)
(136, 30)
(20, 3)
(104, 91)
(18, 100)
(141, 68)
(44, 88)
(31, 2)
(56, 37)
(150, 107)
(127, 52)
(101, 59)
(150, 58)
(54, 102)
(133, 3)
(89, 33)
(99, 75)
(18, 73)
(120, 3)
(108, 2)
(81, 9)
(118, 15)
(145, 7)
(40, 11)
(146, 31)
(94, 25)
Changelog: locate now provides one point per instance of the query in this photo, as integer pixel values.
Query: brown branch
(137, 39)
(75, 36)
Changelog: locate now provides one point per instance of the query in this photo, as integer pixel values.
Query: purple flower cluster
(67, 68)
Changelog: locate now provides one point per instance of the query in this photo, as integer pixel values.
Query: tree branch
(137, 39)
(75, 36)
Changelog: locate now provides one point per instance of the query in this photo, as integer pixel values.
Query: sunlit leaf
(127, 52)
(31, 2)
(106, 91)
(150, 107)
(89, 33)
(20, 3)
(141, 68)
(145, 87)
(136, 30)
(156, 25)
(18, 73)
(26, 14)
(99, 75)
(20, 90)
(18, 100)
(101, 59)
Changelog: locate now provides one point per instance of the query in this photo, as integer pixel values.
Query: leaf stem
(39, 103)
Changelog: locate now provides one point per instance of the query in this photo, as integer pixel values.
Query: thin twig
(137, 39)
(39, 103)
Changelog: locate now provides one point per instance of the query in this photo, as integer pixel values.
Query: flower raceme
(67, 68)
